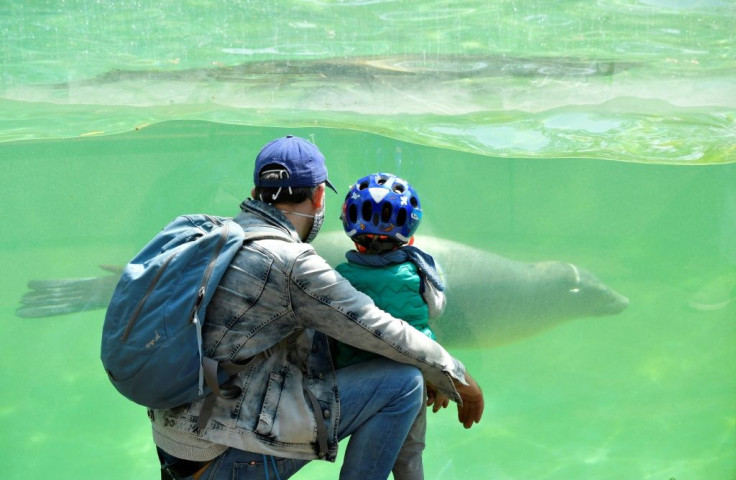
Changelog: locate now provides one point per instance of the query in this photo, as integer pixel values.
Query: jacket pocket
(270, 403)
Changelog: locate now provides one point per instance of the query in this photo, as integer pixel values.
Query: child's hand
(436, 399)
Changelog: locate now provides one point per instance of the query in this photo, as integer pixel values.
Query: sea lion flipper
(60, 296)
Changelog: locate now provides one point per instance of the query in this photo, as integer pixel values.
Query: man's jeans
(379, 401)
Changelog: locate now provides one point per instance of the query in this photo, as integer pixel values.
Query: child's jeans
(408, 465)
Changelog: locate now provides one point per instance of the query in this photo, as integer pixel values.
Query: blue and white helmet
(381, 204)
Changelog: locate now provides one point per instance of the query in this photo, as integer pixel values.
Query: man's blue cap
(302, 160)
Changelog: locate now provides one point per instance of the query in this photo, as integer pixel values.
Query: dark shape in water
(406, 85)
(365, 69)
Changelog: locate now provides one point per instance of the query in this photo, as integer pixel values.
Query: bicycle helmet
(382, 205)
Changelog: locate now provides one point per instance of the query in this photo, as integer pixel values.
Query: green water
(600, 133)
(647, 394)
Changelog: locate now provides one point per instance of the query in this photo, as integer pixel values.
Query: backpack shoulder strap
(211, 367)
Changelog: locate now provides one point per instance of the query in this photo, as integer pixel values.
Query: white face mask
(317, 220)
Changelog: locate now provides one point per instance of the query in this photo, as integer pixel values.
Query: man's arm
(326, 302)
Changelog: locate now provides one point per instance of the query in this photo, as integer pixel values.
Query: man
(275, 310)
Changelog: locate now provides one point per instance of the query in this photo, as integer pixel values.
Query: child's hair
(381, 212)
(369, 243)
(280, 194)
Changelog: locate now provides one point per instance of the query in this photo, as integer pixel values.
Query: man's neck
(301, 215)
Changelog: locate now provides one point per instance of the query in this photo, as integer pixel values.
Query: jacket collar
(256, 213)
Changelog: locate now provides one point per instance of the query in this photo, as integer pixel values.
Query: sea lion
(491, 300)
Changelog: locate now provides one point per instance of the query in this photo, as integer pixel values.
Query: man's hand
(472, 408)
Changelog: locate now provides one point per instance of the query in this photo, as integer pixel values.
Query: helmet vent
(414, 202)
(401, 217)
(353, 213)
(386, 212)
(367, 211)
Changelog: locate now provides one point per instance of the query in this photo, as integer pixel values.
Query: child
(380, 214)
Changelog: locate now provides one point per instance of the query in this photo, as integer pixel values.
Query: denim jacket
(275, 308)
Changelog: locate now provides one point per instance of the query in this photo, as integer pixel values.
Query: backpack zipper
(139, 307)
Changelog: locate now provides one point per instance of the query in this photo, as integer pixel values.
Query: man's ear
(318, 198)
(253, 194)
